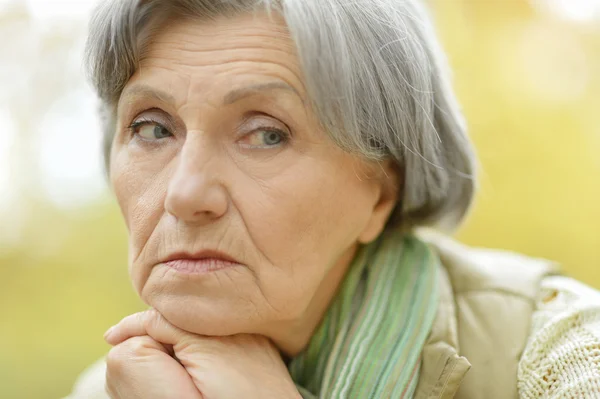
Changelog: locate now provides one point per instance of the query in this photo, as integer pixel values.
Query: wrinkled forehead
(221, 61)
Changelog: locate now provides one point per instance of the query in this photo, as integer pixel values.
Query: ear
(389, 187)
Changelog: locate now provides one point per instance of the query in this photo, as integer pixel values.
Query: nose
(195, 193)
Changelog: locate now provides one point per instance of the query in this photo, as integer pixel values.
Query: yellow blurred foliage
(530, 87)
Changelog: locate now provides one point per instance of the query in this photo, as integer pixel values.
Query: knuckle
(116, 360)
(140, 318)
(151, 319)
(136, 346)
(120, 356)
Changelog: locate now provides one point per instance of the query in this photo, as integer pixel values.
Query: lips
(205, 254)
(200, 263)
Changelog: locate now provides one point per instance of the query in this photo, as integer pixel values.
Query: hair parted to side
(374, 71)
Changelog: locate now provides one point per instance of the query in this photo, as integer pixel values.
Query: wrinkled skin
(217, 148)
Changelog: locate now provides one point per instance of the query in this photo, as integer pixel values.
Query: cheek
(307, 216)
(140, 194)
(304, 222)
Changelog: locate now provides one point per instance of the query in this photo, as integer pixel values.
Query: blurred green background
(527, 73)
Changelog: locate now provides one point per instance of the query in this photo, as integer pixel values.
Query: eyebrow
(238, 94)
(143, 90)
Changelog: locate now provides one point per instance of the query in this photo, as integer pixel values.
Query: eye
(265, 138)
(149, 130)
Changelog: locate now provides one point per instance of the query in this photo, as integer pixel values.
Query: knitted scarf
(369, 342)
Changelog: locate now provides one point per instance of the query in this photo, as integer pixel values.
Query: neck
(292, 339)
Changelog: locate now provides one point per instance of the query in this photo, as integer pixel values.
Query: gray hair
(375, 74)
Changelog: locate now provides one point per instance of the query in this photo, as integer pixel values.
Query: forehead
(224, 53)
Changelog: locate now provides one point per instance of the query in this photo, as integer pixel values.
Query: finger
(140, 368)
(149, 322)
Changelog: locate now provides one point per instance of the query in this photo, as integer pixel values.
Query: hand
(152, 359)
(141, 367)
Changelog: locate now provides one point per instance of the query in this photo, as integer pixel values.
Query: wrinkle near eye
(278, 198)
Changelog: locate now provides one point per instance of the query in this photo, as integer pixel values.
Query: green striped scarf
(369, 342)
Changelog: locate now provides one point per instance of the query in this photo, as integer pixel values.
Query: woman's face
(217, 150)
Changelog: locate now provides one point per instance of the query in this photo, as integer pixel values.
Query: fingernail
(109, 332)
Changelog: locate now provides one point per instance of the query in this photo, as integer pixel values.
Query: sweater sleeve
(562, 356)
(91, 383)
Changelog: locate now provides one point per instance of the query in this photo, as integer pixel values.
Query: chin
(203, 316)
(207, 305)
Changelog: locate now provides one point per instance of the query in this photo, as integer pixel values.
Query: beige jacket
(503, 329)
(487, 301)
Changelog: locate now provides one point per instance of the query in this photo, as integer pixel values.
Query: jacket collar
(442, 369)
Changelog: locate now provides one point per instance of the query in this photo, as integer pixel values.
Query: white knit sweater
(562, 356)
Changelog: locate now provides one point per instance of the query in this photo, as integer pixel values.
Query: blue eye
(271, 137)
(150, 131)
(265, 138)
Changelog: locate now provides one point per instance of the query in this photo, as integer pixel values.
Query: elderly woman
(275, 163)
